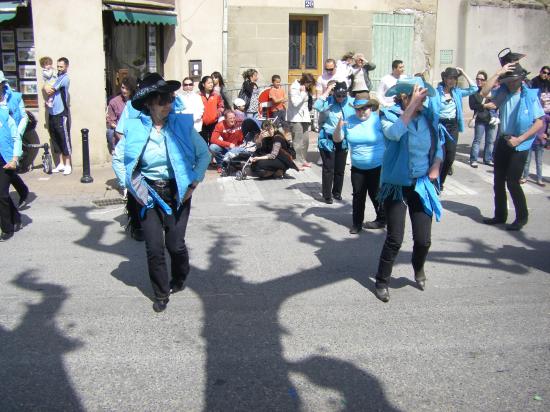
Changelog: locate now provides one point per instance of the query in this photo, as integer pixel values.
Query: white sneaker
(67, 170)
(60, 167)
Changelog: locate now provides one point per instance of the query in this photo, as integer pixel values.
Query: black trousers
(19, 186)
(508, 170)
(363, 182)
(166, 231)
(334, 166)
(450, 147)
(133, 208)
(422, 232)
(206, 131)
(9, 215)
(266, 167)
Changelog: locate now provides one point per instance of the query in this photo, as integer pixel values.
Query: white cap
(239, 102)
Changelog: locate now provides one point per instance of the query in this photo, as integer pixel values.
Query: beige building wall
(477, 30)
(258, 35)
(198, 36)
(75, 32)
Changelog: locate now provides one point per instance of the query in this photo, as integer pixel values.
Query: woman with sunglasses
(192, 102)
(451, 115)
(161, 160)
(363, 133)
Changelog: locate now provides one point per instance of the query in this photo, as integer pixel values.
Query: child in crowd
(277, 96)
(49, 75)
(239, 108)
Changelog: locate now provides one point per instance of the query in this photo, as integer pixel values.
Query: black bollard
(86, 177)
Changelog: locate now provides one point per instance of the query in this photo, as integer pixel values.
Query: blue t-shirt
(366, 141)
(508, 112)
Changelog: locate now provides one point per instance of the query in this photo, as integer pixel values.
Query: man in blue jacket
(520, 118)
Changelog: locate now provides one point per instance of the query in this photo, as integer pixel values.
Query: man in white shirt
(389, 80)
(329, 73)
(343, 68)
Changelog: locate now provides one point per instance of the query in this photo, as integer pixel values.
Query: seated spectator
(273, 157)
(226, 135)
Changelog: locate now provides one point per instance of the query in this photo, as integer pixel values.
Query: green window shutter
(392, 39)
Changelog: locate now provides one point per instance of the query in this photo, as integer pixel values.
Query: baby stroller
(238, 160)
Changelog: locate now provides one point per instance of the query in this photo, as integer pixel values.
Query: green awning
(145, 18)
(8, 10)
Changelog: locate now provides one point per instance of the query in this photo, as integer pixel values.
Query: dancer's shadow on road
(32, 373)
(508, 258)
(246, 368)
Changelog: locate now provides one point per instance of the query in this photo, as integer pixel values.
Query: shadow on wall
(31, 356)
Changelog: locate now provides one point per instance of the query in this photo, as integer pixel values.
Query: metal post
(86, 177)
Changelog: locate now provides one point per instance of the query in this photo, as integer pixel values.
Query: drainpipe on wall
(224, 40)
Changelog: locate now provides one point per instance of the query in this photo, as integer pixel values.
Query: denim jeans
(481, 130)
(539, 152)
(218, 153)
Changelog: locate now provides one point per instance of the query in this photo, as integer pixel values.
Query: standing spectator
(450, 113)
(59, 121)
(363, 132)
(226, 135)
(334, 104)
(344, 69)
(411, 162)
(360, 80)
(213, 107)
(329, 73)
(299, 116)
(250, 93)
(116, 107)
(388, 81)
(10, 151)
(162, 173)
(219, 87)
(542, 81)
(192, 103)
(277, 96)
(520, 115)
(537, 147)
(13, 101)
(483, 126)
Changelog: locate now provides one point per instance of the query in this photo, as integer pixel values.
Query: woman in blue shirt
(450, 112)
(411, 163)
(161, 160)
(363, 133)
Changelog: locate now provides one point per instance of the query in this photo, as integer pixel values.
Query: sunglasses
(187, 84)
(481, 80)
(329, 70)
(165, 99)
(545, 72)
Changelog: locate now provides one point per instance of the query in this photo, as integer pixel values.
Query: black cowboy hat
(506, 56)
(340, 89)
(518, 73)
(152, 83)
(450, 72)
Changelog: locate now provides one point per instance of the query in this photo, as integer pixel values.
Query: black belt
(160, 183)
(443, 120)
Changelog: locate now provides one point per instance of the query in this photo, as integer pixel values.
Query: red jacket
(213, 108)
(224, 136)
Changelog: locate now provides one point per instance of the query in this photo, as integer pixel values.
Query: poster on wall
(7, 40)
(27, 71)
(28, 87)
(24, 35)
(12, 81)
(9, 62)
(25, 54)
